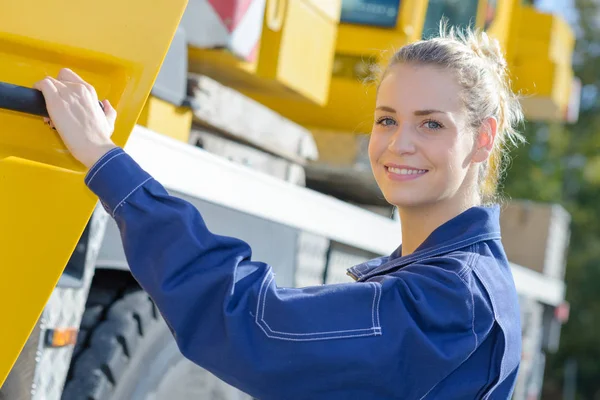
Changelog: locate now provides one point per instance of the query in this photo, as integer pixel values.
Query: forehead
(408, 87)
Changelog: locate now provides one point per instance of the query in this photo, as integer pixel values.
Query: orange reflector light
(61, 337)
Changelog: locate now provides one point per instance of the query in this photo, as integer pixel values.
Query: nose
(402, 141)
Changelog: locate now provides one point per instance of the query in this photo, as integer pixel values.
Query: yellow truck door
(118, 46)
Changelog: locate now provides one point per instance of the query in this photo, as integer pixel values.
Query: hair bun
(488, 49)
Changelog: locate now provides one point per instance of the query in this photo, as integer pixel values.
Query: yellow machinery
(358, 49)
(541, 64)
(320, 78)
(293, 58)
(40, 182)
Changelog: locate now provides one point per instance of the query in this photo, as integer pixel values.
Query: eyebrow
(417, 113)
(429, 111)
(386, 109)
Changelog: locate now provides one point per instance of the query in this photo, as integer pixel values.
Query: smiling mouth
(405, 171)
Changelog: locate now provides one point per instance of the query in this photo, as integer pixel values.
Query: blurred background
(561, 163)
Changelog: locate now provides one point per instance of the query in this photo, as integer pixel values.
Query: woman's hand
(74, 111)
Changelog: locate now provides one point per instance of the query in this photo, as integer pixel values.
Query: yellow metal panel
(306, 54)
(351, 97)
(227, 69)
(412, 18)
(166, 118)
(544, 36)
(330, 8)
(507, 14)
(350, 108)
(294, 58)
(545, 87)
(118, 46)
(541, 47)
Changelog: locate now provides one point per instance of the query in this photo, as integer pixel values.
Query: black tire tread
(114, 321)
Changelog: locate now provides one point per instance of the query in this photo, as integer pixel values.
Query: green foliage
(561, 164)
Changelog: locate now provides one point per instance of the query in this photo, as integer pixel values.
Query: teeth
(404, 171)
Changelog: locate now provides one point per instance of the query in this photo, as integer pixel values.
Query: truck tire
(125, 351)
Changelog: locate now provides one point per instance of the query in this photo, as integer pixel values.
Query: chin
(406, 200)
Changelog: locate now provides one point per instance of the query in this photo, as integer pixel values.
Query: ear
(484, 142)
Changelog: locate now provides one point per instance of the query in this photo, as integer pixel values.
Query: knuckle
(43, 84)
(80, 88)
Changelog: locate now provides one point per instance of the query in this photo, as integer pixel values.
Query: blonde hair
(481, 69)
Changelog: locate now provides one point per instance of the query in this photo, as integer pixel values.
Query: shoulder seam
(473, 257)
(472, 307)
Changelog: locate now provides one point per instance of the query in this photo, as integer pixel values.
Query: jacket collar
(477, 224)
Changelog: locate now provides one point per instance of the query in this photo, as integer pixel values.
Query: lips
(403, 172)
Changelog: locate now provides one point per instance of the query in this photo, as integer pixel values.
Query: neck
(419, 222)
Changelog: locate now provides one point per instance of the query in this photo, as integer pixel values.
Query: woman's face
(420, 149)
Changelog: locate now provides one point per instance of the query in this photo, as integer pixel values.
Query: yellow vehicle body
(294, 57)
(166, 118)
(541, 64)
(358, 50)
(117, 46)
(324, 77)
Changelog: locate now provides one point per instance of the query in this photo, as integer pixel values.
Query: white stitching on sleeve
(374, 330)
(473, 320)
(129, 194)
(378, 301)
(102, 166)
(373, 306)
(108, 153)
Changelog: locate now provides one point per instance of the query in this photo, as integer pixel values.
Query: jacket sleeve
(389, 336)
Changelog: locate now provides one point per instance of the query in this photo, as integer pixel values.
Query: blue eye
(433, 125)
(386, 121)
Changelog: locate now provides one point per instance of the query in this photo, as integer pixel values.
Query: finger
(62, 90)
(68, 75)
(110, 112)
(57, 84)
(46, 86)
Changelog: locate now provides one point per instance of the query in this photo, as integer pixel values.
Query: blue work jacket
(440, 323)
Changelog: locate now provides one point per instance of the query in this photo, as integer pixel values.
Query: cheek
(447, 159)
(457, 164)
(375, 148)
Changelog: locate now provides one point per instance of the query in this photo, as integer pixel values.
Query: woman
(437, 319)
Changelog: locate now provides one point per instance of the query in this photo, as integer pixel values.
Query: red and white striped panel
(233, 24)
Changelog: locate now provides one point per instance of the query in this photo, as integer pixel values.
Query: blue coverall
(441, 323)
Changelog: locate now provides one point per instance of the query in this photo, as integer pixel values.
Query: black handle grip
(23, 99)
